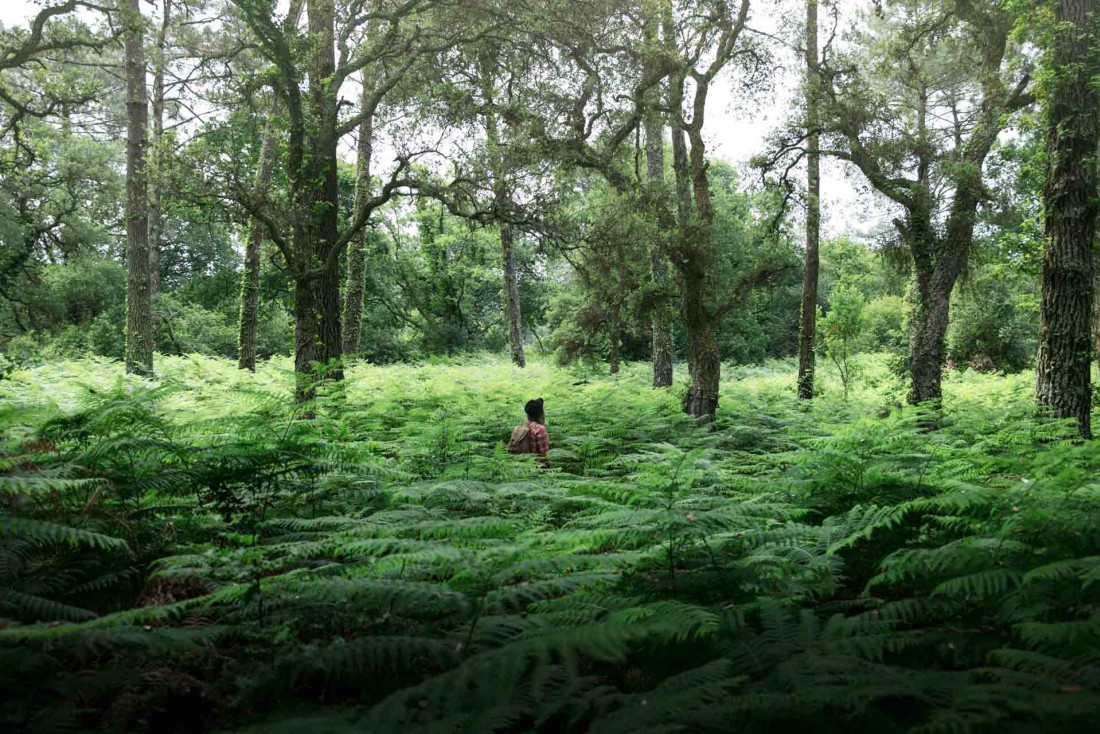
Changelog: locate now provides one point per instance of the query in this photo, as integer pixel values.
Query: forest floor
(190, 554)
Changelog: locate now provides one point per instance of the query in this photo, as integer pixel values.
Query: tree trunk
(511, 294)
(139, 311)
(1070, 198)
(655, 173)
(706, 364)
(501, 197)
(808, 322)
(357, 251)
(323, 143)
(616, 334)
(1096, 302)
(250, 277)
(156, 227)
(305, 337)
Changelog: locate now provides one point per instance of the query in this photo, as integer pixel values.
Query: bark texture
(323, 142)
(655, 175)
(357, 248)
(808, 322)
(1096, 302)
(156, 214)
(1070, 198)
(139, 305)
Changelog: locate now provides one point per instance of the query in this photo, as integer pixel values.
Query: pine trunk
(323, 143)
(808, 323)
(1070, 199)
(357, 249)
(139, 311)
(156, 215)
(655, 174)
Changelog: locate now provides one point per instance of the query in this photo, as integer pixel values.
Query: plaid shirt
(540, 439)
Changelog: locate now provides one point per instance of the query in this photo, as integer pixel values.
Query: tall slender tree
(139, 306)
(357, 248)
(661, 323)
(1071, 106)
(156, 150)
(808, 322)
(248, 319)
(498, 164)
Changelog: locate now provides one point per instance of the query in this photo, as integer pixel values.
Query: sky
(733, 132)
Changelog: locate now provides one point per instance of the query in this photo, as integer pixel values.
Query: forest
(549, 365)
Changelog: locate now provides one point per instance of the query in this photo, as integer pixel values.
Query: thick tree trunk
(1065, 344)
(1096, 302)
(323, 144)
(305, 338)
(693, 247)
(139, 310)
(706, 364)
(655, 174)
(502, 196)
(156, 227)
(808, 323)
(357, 249)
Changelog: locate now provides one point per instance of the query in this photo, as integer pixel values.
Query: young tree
(1072, 106)
(841, 330)
(139, 303)
(808, 321)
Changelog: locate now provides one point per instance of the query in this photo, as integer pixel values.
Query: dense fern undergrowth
(191, 554)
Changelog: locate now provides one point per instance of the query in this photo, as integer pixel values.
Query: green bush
(994, 321)
(884, 328)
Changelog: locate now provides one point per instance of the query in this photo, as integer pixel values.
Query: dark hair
(533, 409)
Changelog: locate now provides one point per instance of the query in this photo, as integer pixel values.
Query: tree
(314, 129)
(1072, 106)
(57, 184)
(917, 109)
(502, 203)
(157, 149)
(813, 212)
(357, 248)
(661, 322)
(841, 330)
(139, 301)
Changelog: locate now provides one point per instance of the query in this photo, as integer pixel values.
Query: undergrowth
(192, 554)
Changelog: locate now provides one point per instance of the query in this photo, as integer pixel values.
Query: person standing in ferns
(531, 437)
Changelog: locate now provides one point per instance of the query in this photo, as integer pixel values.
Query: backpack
(520, 442)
